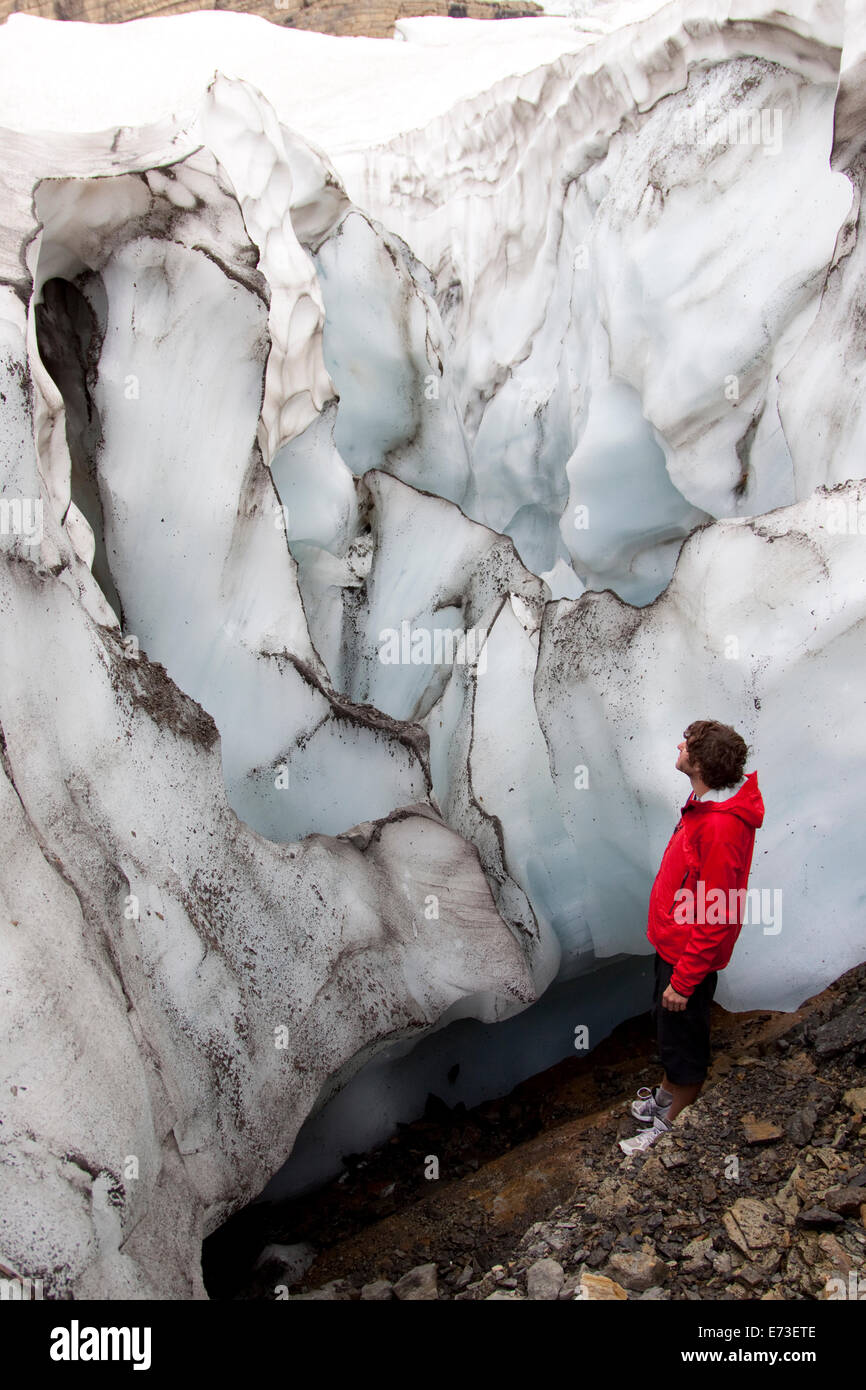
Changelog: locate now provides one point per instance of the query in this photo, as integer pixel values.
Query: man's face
(683, 764)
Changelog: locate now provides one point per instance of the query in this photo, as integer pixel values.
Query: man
(695, 916)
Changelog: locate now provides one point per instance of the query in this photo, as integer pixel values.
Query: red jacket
(691, 927)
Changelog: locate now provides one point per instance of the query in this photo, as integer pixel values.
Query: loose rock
(420, 1283)
(638, 1270)
(544, 1280)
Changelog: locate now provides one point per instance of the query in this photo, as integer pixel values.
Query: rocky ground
(758, 1192)
(374, 18)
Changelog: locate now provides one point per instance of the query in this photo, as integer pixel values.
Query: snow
(351, 92)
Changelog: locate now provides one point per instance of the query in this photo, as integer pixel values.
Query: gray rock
(420, 1283)
(379, 1291)
(841, 1032)
(801, 1125)
(544, 1280)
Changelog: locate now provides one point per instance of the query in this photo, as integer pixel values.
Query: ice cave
(402, 441)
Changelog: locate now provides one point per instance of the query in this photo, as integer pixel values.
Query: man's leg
(682, 1096)
(684, 1043)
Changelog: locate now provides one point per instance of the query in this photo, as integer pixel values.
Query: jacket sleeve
(720, 867)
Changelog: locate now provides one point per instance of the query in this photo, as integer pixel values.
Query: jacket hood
(746, 802)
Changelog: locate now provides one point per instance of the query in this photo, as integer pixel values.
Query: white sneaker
(646, 1107)
(648, 1136)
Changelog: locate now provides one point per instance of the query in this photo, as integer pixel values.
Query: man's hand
(672, 1000)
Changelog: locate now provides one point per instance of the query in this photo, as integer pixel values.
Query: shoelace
(646, 1095)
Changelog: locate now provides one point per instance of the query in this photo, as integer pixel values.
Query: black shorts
(683, 1035)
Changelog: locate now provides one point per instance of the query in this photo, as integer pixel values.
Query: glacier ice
(529, 355)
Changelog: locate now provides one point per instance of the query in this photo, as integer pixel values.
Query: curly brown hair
(718, 751)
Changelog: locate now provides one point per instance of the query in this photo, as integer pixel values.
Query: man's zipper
(682, 885)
